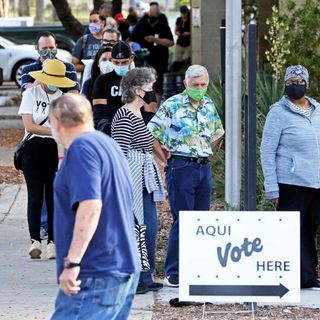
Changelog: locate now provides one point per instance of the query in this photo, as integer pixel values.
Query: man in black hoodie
(153, 32)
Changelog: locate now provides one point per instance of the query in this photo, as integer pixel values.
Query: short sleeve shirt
(94, 167)
(185, 130)
(36, 101)
(107, 86)
(86, 47)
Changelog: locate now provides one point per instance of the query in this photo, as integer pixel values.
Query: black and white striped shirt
(136, 142)
(131, 132)
(307, 112)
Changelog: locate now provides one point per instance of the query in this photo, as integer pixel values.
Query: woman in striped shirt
(130, 131)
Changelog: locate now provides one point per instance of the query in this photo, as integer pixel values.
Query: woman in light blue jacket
(290, 155)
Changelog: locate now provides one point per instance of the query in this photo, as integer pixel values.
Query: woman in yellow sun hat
(40, 159)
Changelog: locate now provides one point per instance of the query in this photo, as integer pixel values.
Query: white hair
(195, 71)
(111, 23)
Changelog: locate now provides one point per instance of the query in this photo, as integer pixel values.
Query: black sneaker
(155, 286)
(141, 289)
(172, 281)
(313, 285)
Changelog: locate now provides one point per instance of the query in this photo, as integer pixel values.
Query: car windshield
(5, 42)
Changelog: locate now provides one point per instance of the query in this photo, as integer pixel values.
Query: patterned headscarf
(297, 71)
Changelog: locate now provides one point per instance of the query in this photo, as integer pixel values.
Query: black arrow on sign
(212, 290)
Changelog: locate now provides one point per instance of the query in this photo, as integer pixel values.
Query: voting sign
(239, 256)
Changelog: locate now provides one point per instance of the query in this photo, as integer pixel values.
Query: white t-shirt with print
(36, 101)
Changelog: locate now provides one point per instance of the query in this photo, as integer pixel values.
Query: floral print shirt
(184, 129)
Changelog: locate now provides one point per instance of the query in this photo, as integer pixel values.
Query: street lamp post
(233, 105)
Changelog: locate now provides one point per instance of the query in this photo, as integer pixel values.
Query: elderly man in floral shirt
(188, 128)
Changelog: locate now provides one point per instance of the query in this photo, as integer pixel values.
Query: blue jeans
(105, 298)
(151, 220)
(189, 187)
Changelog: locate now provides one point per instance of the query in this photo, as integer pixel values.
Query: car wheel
(17, 71)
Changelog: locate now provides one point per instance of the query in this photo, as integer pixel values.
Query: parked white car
(14, 56)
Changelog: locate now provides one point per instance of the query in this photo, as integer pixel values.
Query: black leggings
(39, 164)
(307, 201)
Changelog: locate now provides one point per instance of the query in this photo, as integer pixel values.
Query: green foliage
(278, 42)
(268, 91)
(294, 39)
(184, 2)
(249, 11)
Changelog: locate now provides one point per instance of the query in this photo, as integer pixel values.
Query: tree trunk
(264, 12)
(40, 10)
(4, 8)
(116, 7)
(13, 7)
(72, 25)
(24, 8)
(97, 4)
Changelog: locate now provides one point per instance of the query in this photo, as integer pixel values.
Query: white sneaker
(35, 250)
(51, 250)
(171, 281)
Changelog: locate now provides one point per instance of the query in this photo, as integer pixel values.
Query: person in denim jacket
(290, 155)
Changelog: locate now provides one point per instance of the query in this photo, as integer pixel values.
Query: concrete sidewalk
(9, 118)
(28, 287)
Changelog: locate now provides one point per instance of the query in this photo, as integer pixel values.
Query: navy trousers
(189, 187)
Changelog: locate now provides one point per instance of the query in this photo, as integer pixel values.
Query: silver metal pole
(233, 104)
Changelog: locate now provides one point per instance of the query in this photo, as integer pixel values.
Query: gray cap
(297, 71)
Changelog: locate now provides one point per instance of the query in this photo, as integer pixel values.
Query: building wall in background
(206, 37)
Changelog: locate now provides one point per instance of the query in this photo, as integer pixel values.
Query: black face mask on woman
(295, 91)
(148, 97)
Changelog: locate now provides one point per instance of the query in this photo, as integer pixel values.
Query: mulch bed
(10, 138)
(165, 312)
(10, 175)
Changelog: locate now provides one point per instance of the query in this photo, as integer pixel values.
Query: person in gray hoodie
(290, 156)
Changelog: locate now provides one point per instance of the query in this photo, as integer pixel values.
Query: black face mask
(148, 97)
(296, 91)
(107, 44)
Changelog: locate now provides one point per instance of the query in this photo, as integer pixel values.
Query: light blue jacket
(290, 148)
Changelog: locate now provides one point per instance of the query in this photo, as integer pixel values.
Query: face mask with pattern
(48, 53)
(94, 27)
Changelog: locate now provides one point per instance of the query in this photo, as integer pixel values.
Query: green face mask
(196, 94)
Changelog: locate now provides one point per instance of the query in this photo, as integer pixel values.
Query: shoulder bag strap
(30, 134)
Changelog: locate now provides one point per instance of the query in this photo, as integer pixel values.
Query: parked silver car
(14, 56)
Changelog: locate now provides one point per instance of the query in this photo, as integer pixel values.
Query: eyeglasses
(108, 43)
(296, 82)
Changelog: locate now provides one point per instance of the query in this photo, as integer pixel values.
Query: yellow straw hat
(53, 73)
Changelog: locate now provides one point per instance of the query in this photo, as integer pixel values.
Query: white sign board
(196, 17)
(239, 256)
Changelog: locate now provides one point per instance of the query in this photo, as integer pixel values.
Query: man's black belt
(200, 160)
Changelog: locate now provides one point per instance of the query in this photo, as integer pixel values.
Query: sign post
(239, 256)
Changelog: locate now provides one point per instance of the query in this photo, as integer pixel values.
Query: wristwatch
(67, 264)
